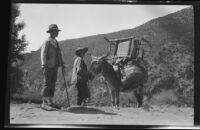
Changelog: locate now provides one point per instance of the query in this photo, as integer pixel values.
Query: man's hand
(63, 68)
(44, 69)
(44, 66)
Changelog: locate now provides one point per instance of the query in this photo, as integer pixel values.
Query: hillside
(170, 60)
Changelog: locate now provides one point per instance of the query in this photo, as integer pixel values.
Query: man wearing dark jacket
(51, 59)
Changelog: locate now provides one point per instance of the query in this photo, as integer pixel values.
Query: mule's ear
(105, 56)
(93, 58)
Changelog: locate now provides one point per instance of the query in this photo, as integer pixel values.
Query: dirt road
(30, 113)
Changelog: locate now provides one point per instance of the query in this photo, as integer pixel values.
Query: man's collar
(52, 38)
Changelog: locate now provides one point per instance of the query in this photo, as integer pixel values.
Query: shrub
(15, 80)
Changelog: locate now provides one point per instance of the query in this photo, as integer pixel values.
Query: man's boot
(50, 102)
(85, 102)
(43, 101)
(45, 104)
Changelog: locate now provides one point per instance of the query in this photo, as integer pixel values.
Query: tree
(17, 46)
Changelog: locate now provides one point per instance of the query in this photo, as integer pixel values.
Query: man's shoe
(54, 106)
(84, 104)
(47, 107)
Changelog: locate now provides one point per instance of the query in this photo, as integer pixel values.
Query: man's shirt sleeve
(78, 65)
(44, 53)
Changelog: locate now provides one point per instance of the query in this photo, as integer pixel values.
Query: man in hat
(51, 59)
(80, 76)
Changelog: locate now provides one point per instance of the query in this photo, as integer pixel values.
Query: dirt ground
(31, 113)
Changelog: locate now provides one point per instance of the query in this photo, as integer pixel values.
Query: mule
(134, 81)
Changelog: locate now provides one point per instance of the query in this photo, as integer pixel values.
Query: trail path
(30, 113)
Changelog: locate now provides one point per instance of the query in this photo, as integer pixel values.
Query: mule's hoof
(67, 109)
(116, 107)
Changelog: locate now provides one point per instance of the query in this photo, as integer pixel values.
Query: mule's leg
(139, 95)
(112, 97)
(140, 100)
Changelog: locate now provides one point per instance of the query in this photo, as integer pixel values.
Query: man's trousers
(50, 77)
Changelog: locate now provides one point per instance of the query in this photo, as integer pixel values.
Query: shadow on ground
(87, 110)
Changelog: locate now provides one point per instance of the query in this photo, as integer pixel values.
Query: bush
(15, 80)
(165, 97)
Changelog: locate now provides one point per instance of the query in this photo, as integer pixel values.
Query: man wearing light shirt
(80, 77)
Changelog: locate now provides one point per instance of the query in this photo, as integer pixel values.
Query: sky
(80, 20)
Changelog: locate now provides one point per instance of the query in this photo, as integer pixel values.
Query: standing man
(51, 59)
(80, 76)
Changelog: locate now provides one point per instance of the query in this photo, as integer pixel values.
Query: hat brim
(81, 50)
(48, 31)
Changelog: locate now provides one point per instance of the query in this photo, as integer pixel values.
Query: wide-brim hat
(53, 27)
(81, 49)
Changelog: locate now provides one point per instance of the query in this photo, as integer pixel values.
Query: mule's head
(96, 64)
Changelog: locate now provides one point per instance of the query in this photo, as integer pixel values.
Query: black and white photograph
(101, 64)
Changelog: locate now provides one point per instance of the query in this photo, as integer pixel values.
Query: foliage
(17, 46)
(16, 83)
(174, 71)
(17, 43)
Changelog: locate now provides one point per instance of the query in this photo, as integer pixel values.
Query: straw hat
(53, 27)
(81, 49)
